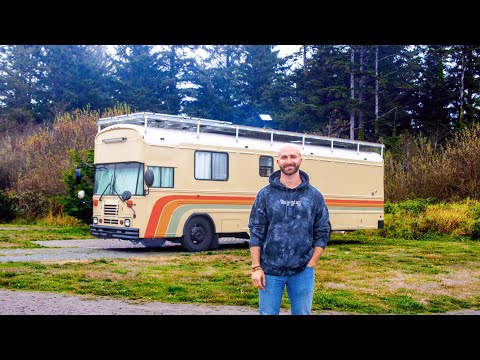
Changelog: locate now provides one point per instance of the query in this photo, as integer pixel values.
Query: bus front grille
(110, 210)
(110, 221)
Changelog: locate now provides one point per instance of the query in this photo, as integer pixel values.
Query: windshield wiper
(106, 187)
(114, 189)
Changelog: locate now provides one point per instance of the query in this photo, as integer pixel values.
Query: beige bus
(163, 177)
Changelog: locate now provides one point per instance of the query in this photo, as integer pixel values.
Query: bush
(416, 167)
(456, 219)
(415, 206)
(71, 204)
(423, 218)
(42, 158)
(7, 209)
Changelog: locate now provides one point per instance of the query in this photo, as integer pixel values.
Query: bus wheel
(215, 244)
(198, 234)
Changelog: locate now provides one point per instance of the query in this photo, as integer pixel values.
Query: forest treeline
(420, 101)
(364, 92)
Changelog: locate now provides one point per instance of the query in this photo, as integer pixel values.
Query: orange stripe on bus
(170, 208)
(351, 202)
(160, 210)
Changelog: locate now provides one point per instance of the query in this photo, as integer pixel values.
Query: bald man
(289, 230)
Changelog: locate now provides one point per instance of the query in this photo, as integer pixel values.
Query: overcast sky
(287, 49)
(284, 49)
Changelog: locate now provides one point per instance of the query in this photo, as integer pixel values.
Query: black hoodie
(287, 224)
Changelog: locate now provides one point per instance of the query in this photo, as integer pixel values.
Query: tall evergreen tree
(398, 80)
(257, 75)
(137, 75)
(321, 91)
(74, 78)
(214, 80)
(19, 76)
(175, 63)
(464, 79)
(433, 115)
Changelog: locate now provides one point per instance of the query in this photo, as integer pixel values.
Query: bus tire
(198, 234)
(215, 244)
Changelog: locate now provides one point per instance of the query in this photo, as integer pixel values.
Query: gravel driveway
(59, 250)
(44, 303)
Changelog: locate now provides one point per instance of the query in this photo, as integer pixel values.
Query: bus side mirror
(149, 177)
(126, 195)
(78, 176)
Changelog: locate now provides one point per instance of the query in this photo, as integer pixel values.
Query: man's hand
(258, 279)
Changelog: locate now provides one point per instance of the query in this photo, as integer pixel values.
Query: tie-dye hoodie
(287, 224)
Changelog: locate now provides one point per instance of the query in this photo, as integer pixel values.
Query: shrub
(71, 204)
(415, 167)
(43, 156)
(7, 208)
(455, 219)
(422, 218)
(59, 220)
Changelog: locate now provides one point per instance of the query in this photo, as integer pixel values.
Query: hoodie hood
(274, 180)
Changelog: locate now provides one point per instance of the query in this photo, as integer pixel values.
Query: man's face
(289, 160)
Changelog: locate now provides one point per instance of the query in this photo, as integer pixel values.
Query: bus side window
(163, 176)
(211, 165)
(265, 166)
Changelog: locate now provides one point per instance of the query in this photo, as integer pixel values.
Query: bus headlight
(127, 222)
(95, 221)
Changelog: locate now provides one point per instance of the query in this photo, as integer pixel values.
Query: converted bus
(189, 180)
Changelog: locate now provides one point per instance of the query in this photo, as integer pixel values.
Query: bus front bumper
(111, 232)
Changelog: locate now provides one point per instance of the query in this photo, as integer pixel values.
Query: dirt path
(43, 303)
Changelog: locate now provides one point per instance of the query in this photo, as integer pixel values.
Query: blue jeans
(299, 288)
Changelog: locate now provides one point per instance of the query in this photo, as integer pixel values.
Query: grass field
(358, 274)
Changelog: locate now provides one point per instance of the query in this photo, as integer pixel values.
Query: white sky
(287, 49)
(284, 49)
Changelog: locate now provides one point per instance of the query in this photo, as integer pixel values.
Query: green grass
(358, 274)
(22, 236)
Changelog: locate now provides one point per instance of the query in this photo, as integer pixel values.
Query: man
(289, 229)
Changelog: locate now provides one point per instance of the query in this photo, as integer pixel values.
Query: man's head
(289, 159)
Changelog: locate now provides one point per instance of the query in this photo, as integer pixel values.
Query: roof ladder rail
(176, 122)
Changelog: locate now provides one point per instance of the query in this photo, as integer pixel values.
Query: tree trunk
(305, 60)
(376, 93)
(462, 84)
(361, 130)
(352, 93)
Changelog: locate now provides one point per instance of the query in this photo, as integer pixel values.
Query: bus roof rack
(149, 119)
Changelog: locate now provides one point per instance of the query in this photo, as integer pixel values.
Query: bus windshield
(113, 179)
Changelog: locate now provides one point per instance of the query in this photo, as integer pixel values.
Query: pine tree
(214, 80)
